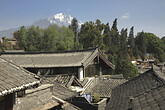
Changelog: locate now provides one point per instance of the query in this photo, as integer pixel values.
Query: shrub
(96, 97)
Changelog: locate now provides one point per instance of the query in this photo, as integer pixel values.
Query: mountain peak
(60, 16)
(60, 19)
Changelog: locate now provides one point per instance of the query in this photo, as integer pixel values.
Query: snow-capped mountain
(60, 19)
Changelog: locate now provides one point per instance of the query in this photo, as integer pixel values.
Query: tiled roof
(103, 86)
(54, 59)
(150, 100)
(14, 78)
(143, 70)
(60, 90)
(63, 79)
(117, 76)
(63, 92)
(142, 83)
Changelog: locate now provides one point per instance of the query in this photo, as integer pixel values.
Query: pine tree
(140, 41)
(99, 25)
(114, 26)
(115, 37)
(115, 34)
(107, 36)
(125, 67)
(90, 35)
(131, 42)
(123, 44)
(74, 27)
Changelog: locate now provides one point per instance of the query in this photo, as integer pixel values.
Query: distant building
(12, 41)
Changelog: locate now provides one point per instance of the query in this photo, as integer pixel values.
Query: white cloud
(125, 16)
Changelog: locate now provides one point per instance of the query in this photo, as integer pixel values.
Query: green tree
(131, 41)
(66, 39)
(90, 35)
(115, 37)
(140, 41)
(74, 27)
(123, 43)
(155, 46)
(125, 67)
(99, 25)
(107, 37)
(78, 46)
(49, 37)
(21, 36)
(163, 39)
(34, 39)
(114, 26)
(58, 38)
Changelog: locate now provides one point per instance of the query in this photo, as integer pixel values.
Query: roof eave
(16, 89)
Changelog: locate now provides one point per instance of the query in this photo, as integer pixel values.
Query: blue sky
(147, 15)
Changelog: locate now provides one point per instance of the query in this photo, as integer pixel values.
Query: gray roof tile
(149, 100)
(63, 92)
(54, 59)
(14, 78)
(103, 86)
(145, 82)
(59, 90)
(63, 79)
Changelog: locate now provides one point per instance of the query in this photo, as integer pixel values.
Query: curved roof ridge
(49, 52)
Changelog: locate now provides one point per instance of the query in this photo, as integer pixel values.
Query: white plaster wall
(80, 73)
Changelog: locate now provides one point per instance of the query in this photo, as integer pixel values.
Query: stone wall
(34, 98)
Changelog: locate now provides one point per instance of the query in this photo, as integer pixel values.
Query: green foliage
(131, 41)
(107, 39)
(115, 38)
(155, 46)
(163, 39)
(96, 97)
(126, 68)
(33, 39)
(78, 46)
(123, 43)
(114, 26)
(56, 38)
(74, 27)
(21, 37)
(140, 41)
(52, 38)
(90, 35)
